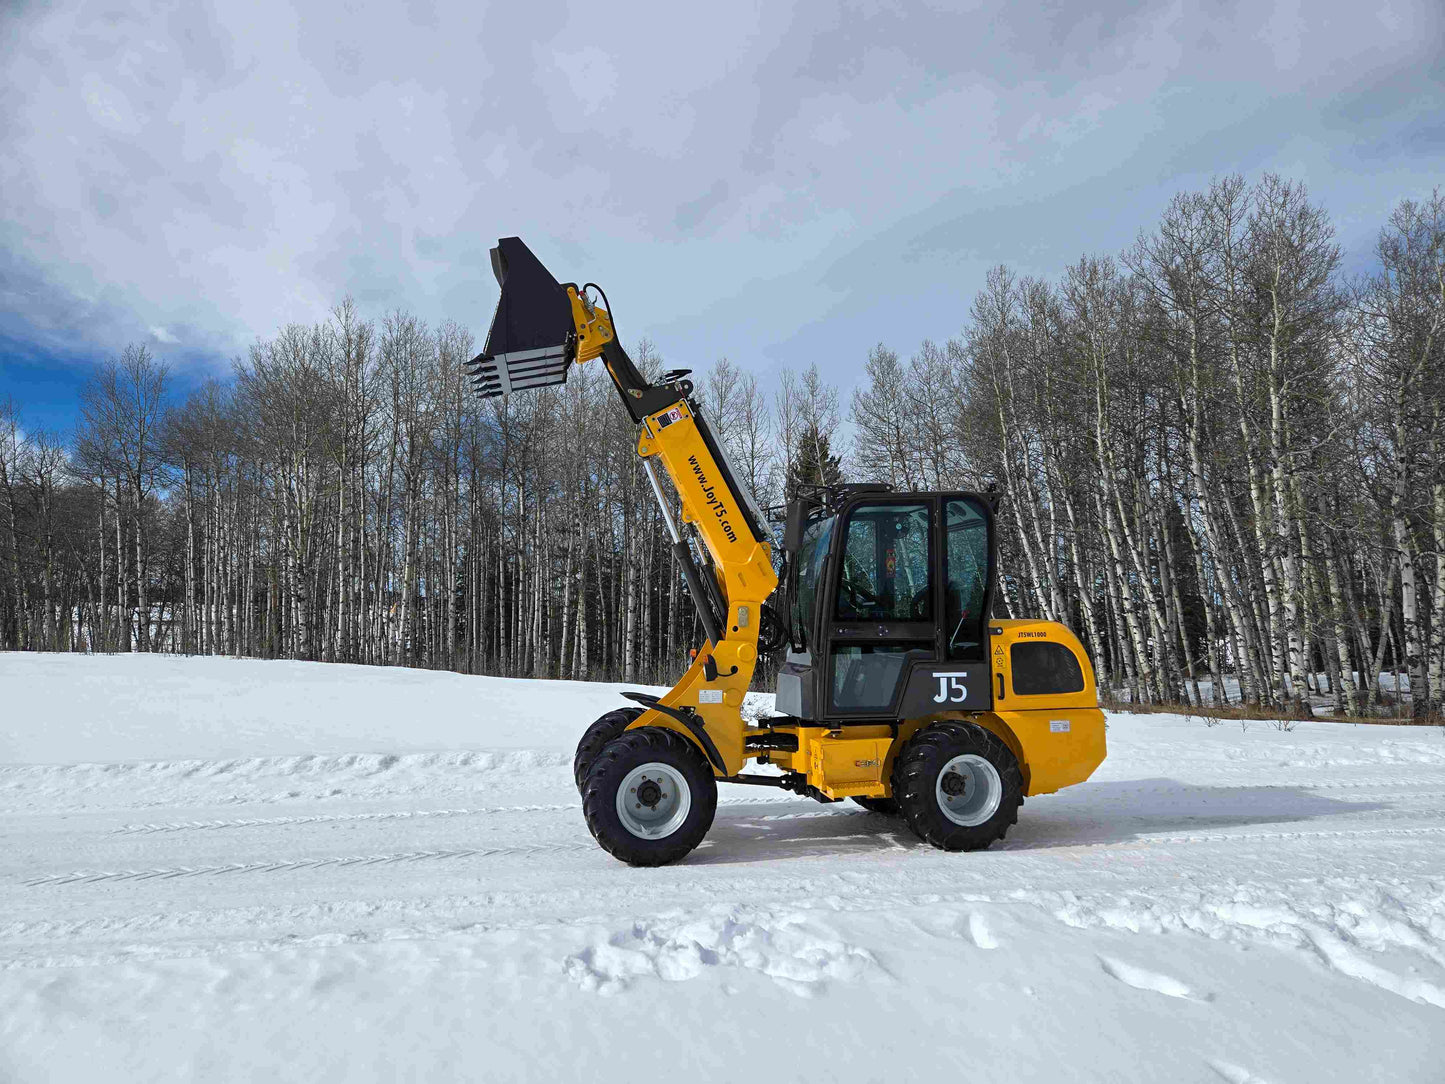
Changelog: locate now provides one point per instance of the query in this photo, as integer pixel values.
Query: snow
(224, 869)
(160, 707)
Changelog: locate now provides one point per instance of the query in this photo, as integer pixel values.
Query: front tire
(608, 728)
(650, 797)
(958, 786)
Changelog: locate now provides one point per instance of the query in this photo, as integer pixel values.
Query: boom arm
(542, 327)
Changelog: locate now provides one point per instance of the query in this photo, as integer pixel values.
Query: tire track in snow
(1115, 844)
(409, 814)
(1202, 837)
(811, 814)
(1383, 785)
(331, 862)
(328, 818)
(1363, 790)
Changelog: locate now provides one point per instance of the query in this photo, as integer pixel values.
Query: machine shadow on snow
(1108, 813)
(1121, 812)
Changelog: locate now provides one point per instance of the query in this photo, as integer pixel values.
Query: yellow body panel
(840, 763)
(849, 765)
(1059, 739)
(1052, 757)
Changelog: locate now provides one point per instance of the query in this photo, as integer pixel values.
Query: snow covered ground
(215, 869)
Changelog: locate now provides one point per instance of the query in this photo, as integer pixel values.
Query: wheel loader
(899, 689)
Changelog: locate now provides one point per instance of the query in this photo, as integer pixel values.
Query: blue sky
(778, 183)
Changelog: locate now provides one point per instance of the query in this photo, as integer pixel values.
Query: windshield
(812, 552)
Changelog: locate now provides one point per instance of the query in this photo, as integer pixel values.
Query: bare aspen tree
(13, 457)
(1399, 324)
(1220, 462)
(122, 411)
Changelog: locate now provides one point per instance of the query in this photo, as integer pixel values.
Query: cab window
(966, 593)
(883, 577)
(866, 676)
(812, 552)
(885, 561)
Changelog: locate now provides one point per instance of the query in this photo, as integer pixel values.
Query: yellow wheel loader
(899, 689)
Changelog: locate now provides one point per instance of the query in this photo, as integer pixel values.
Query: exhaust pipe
(532, 340)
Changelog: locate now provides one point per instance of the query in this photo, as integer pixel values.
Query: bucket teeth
(520, 370)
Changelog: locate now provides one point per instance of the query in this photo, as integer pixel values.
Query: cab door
(959, 679)
(882, 604)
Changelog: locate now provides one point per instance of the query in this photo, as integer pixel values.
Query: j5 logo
(951, 687)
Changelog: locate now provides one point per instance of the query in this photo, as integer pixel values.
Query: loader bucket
(530, 342)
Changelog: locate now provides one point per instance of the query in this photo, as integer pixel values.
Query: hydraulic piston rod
(683, 552)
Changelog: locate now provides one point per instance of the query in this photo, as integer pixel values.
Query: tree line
(1223, 465)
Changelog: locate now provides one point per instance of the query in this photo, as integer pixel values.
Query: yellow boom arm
(677, 438)
(540, 329)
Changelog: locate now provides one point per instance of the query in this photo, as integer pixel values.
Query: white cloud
(223, 169)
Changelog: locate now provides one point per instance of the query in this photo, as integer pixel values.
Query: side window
(884, 574)
(1040, 669)
(865, 676)
(966, 528)
(857, 587)
(811, 554)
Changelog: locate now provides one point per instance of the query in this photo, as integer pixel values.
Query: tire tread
(607, 728)
(639, 746)
(915, 774)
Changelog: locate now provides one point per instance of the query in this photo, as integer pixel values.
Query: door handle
(1000, 685)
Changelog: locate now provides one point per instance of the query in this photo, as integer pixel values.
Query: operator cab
(888, 597)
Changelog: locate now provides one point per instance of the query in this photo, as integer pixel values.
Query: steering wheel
(859, 596)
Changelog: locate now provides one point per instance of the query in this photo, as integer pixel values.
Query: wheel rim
(969, 790)
(653, 800)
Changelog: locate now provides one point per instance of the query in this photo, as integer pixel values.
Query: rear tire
(958, 785)
(650, 797)
(887, 806)
(606, 729)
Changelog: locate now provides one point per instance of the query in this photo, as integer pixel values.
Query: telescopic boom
(540, 330)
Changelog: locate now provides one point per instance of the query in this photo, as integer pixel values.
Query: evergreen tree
(815, 463)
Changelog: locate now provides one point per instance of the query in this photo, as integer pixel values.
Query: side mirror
(793, 527)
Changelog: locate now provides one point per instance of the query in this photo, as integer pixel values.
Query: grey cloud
(1376, 96)
(780, 185)
(691, 213)
(105, 204)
